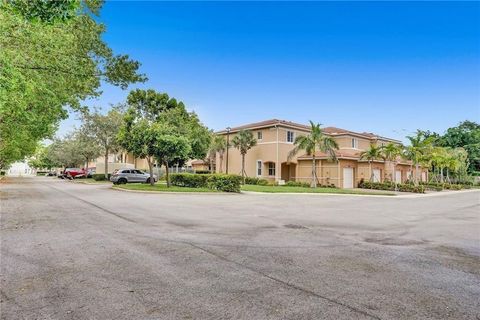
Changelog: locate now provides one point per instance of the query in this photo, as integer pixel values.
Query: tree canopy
(52, 58)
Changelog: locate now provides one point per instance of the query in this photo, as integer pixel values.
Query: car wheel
(122, 181)
(148, 180)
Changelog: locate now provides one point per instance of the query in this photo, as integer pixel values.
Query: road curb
(174, 192)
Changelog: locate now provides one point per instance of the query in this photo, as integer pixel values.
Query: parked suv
(131, 175)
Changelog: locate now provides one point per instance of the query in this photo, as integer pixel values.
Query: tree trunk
(371, 171)
(441, 174)
(167, 176)
(243, 168)
(150, 169)
(395, 176)
(221, 164)
(416, 173)
(314, 172)
(106, 164)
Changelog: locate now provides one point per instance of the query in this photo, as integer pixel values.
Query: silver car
(131, 175)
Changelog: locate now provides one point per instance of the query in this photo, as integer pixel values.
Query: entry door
(376, 175)
(398, 176)
(348, 178)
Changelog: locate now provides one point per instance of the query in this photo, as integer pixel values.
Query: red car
(73, 173)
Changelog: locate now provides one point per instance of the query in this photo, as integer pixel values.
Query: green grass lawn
(90, 180)
(285, 189)
(161, 187)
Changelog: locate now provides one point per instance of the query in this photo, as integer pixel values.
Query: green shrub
(2, 173)
(297, 184)
(220, 182)
(256, 181)
(225, 182)
(391, 186)
(100, 177)
(190, 180)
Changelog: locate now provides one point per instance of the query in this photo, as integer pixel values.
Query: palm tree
(219, 145)
(390, 153)
(371, 154)
(315, 139)
(244, 141)
(418, 150)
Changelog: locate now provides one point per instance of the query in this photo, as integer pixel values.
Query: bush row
(100, 177)
(391, 186)
(220, 182)
(439, 186)
(256, 181)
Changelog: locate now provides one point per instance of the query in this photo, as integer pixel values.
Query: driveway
(75, 251)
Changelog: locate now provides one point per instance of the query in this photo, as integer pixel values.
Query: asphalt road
(74, 251)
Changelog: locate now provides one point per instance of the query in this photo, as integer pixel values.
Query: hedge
(256, 181)
(224, 182)
(220, 182)
(391, 186)
(100, 176)
(190, 180)
(439, 186)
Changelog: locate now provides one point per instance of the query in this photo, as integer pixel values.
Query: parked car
(91, 172)
(51, 173)
(130, 176)
(74, 173)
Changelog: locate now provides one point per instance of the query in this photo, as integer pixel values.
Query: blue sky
(384, 67)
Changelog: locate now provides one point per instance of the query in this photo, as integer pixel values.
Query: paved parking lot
(74, 251)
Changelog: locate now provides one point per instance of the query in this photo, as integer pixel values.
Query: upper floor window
(290, 136)
(259, 135)
(271, 169)
(354, 143)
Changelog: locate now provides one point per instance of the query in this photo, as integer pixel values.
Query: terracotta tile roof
(334, 131)
(341, 154)
(267, 123)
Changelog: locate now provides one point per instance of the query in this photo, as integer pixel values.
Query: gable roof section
(333, 131)
(268, 124)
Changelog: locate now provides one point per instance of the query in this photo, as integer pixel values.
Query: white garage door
(348, 177)
(376, 175)
(398, 176)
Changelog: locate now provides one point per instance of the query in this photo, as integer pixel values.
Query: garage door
(376, 175)
(348, 177)
(398, 176)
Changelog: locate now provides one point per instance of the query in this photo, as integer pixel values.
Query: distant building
(275, 139)
(20, 169)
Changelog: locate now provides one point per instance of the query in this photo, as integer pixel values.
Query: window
(271, 169)
(259, 135)
(354, 143)
(290, 136)
(259, 168)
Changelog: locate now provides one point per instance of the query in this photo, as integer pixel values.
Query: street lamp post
(228, 145)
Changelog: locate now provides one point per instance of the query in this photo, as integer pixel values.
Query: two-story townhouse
(269, 158)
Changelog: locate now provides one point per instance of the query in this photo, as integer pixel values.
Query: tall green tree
(219, 145)
(52, 57)
(418, 150)
(159, 128)
(371, 154)
(315, 140)
(466, 135)
(102, 130)
(244, 141)
(390, 152)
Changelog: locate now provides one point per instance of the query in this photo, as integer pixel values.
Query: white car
(130, 176)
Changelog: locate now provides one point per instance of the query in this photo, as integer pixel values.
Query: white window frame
(274, 169)
(354, 143)
(259, 168)
(259, 135)
(293, 136)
